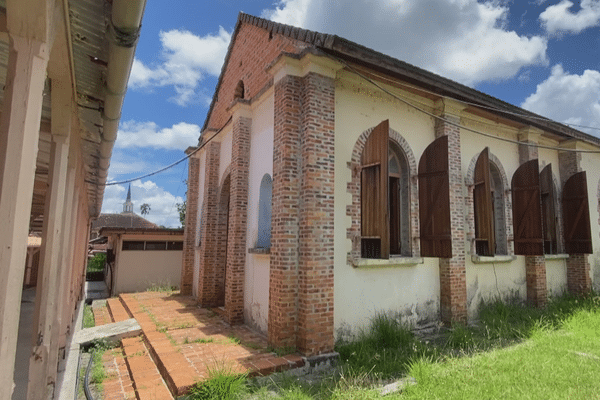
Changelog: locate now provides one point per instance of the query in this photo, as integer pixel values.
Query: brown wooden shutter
(375, 241)
(576, 215)
(527, 210)
(548, 210)
(482, 202)
(434, 200)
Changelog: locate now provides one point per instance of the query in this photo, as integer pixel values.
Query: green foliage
(181, 208)
(96, 263)
(221, 385)
(161, 287)
(145, 209)
(88, 317)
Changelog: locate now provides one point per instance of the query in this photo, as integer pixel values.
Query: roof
(355, 53)
(142, 231)
(124, 220)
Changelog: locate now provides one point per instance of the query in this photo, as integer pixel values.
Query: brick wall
(285, 218)
(315, 297)
(236, 237)
(189, 236)
(255, 49)
(453, 278)
(206, 253)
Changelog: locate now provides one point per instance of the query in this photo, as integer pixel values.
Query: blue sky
(543, 55)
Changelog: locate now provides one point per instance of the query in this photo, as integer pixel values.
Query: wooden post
(19, 134)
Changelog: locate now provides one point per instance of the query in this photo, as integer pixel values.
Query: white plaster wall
(202, 172)
(591, 164)
(139, 269)
(410, 291)
(256, 276)
(556, 277)
(226, 138)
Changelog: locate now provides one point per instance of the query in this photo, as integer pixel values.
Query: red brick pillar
(453, 276)
(285, 221)
(189, 235)
(578, 265)
(315, 297)
(207, 254)
(535, 266)
(236, 242)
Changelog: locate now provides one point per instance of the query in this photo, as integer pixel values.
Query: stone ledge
(391, 262)
(556, 256)
(112, 332)
(260, 250)
(492, 259)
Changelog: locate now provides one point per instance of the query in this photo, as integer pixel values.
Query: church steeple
(128, 205)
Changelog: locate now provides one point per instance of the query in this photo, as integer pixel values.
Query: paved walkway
(181, 344)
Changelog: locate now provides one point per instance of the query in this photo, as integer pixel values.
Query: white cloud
(461, 39)
(148, 134)
(186, 60)
(559, 18)
(568, 98)
(162, 203)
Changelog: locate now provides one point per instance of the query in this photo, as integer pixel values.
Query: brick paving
(101, 315)
(181, 344)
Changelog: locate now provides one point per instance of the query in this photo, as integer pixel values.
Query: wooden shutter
(576, 215)
(482, 202)
(527, 210)
(375, 241)
(548, 210)
(434, 200)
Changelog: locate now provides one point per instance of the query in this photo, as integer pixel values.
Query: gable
(251, 51)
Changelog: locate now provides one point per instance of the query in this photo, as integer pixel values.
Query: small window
(156, 245)
(239, 90)
(133, 245)
(548, 194)
(264, 213)
(174, 245)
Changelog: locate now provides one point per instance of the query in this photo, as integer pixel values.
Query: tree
(181, 209)
(145, 208)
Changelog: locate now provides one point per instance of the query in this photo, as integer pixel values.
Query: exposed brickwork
(189, 235)
(535, 269)
(236, 235)
(254, 50)
(578, 265)
(535, 266)
(285, 219)
(353, 187)
(206, 254)
(315, 297)
(578, 274)
(223, 211)
(453, 278)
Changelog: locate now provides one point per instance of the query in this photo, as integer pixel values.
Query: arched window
(384, 187)
(488, 202)
(264, 213)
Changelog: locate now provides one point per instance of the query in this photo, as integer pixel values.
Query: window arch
(239, 90)
(399, 200)
(264, 212)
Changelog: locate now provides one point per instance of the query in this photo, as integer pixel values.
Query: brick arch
(353, 210)
(508, 216)
(225, 175)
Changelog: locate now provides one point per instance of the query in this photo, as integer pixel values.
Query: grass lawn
(514, 352)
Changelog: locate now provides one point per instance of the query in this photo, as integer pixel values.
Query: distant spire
(128, 205)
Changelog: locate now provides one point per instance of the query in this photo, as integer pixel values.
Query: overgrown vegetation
(161, 287)
(96, 263)
(88, 317)
(223, 384)
(514, 351)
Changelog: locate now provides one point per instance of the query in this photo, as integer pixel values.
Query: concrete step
(116, 309)
(147, 380)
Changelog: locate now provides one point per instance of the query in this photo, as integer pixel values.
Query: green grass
(221, 385)
(514, 352)
(88, 317)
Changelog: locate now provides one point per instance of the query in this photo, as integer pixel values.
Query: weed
(161, 287)
(88, 317)
(204, 340)
(222, 384)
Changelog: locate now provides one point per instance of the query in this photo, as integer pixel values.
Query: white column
(19, 134)
(47, 298)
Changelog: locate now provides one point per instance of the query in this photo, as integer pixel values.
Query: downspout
(123, 35)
